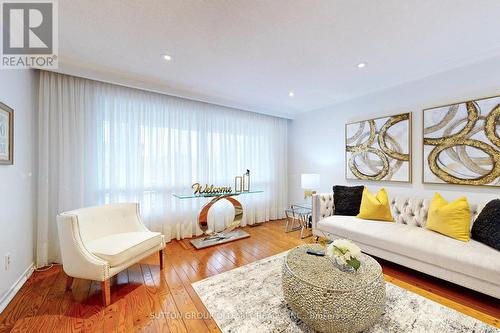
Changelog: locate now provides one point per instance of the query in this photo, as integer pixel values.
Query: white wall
(17, 90)
(316, 138)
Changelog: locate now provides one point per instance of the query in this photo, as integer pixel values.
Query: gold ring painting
(379, 149)
(462, 143)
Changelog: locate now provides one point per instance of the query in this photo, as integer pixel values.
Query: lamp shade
(309, 181)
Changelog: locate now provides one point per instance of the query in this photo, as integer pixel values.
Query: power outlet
(7, 261)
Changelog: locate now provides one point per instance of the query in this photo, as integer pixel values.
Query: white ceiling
(250, 54)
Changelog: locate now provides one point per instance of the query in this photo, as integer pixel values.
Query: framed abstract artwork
(379, 149)
(6, 134)
(461, 143)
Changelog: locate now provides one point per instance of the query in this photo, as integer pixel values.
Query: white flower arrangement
(344, 252)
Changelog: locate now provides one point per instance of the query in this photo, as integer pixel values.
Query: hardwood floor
(145, 299)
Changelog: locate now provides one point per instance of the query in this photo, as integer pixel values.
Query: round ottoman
(329, 300)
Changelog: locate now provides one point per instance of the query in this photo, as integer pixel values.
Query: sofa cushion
(451, 219)
(486, 229)
(375, 207)
(118, 248)
(472, 258)
(347, 199)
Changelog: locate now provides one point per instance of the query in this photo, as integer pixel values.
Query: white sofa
(99, 242)
(407, 242)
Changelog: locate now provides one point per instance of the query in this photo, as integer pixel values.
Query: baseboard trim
(14, 289)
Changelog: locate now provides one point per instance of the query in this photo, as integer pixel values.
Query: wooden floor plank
(168, 308)
(31, 302)
(186, 281)
(153, 295)
(145, 299)
(138, 300)
(182, 300)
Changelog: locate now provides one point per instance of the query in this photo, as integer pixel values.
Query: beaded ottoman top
(322, 273)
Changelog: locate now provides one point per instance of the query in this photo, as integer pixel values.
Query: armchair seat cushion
(119, 248)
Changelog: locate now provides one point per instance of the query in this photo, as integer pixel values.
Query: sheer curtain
(101, 143)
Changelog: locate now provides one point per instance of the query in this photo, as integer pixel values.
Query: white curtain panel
(101, 143)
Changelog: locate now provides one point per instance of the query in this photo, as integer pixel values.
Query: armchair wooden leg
(106, 292)
(161, 259)
(69, 282)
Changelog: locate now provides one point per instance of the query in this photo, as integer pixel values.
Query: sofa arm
(322, 206)
(77, 261)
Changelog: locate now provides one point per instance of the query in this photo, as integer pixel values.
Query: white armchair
(99, 242)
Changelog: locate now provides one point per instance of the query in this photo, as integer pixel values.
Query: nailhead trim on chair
(105, 267)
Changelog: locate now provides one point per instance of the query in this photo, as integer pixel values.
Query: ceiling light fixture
(362, 65)
(167, 57)
(291, 94)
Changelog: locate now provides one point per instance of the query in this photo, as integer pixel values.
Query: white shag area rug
(250, 299)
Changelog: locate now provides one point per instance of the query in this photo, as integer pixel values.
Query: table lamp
(309, 182)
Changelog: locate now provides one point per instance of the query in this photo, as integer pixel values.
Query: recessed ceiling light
(291, 94)
(362, 65)
(167, 57)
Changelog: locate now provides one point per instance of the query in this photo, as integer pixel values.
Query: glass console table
(228, 234)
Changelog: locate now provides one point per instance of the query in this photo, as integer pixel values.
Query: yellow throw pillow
(450, 218)
(375, 207)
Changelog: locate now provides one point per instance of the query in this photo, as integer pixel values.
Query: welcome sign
(210, 189)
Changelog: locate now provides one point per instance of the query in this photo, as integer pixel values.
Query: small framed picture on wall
(6, 134)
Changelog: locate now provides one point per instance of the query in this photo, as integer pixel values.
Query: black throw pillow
(347, 199)
(486, 229)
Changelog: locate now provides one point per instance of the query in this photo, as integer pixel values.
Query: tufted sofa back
(322, 206)
(410, 211)
(413, 211)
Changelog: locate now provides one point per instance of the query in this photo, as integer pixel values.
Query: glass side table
(298, 217)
